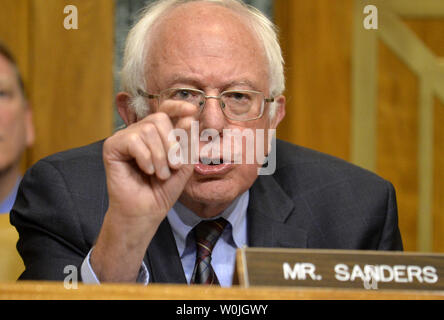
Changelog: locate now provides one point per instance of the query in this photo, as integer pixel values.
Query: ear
(124, 109)
(279, 113)
(30, 132)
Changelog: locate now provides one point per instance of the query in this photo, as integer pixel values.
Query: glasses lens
(242, 105)
(188, 95)
(237, 105)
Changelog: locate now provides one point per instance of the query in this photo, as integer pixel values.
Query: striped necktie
(206, 234)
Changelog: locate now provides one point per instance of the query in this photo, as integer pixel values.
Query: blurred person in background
(16, 128)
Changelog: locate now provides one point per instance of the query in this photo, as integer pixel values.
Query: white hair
(135, 55)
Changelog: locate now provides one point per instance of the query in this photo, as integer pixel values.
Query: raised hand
(143, 184)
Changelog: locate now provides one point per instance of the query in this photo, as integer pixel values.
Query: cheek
(15, 126)
(254, 143)
(6, 119)
(245, 175)
(12, 131)
(11, 114)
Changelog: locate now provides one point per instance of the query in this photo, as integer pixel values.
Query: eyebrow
(187, 80)
(196, 83)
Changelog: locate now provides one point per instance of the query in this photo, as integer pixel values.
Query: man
(16, 128)
(124, 211)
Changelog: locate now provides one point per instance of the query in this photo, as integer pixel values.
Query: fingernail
(165, 173)
(150, 169)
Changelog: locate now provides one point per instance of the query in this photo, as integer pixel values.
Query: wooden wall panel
(68, 73)
(14, 30)
(14, 33)
(438, 190)
(398, 161)
(71, 74)
(431, 32)
(316, 38)
(397, 138)
(317, 41)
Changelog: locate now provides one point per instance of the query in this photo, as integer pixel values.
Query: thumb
(179, 178)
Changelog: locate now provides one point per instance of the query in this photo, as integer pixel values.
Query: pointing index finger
(179, 109)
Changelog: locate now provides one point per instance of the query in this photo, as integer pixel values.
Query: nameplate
(339, 269)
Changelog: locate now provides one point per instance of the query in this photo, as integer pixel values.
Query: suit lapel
(162, 258)
(268, 224)
(268, 215)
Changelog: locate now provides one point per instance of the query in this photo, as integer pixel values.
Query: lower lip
(207, 170)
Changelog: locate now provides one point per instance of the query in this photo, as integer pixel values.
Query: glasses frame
(219, 98)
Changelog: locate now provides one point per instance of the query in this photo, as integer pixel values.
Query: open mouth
(207, 166)
(210, 161)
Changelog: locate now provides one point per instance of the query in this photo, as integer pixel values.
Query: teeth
(210, 161)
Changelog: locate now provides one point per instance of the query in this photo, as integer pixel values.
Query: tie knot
(207, 232)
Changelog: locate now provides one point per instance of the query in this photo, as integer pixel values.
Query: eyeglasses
(237, 105)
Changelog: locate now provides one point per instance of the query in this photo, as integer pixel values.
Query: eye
(4, 93)
(237, 96)
(183, 94)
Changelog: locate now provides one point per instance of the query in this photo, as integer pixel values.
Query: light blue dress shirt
(7, 204)
(182, 222)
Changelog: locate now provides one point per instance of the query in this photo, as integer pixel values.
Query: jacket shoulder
(306, 169)
(85, 154)
(80, 170)
(340, 204)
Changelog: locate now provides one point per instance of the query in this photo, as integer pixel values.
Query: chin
(215, 193)
(212, 191)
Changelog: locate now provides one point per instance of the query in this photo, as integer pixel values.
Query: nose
(211, 116)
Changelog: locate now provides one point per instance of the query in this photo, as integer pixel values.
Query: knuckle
(133, 137)
(160, 156)
(148, 129)
(162, 117)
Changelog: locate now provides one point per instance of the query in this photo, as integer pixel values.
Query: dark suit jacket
(312, 201)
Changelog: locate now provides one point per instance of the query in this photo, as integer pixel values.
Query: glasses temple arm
(147, 95)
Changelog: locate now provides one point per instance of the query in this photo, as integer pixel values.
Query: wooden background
(317, 39)
(68, 74)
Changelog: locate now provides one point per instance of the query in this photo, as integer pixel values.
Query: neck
(8, 179)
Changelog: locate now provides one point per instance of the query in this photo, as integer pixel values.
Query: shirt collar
(183, 220)
(7, 204)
